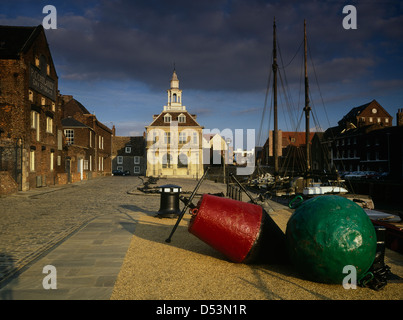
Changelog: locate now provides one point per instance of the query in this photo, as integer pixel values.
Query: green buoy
(325, 234)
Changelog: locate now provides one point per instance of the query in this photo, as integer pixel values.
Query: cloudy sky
(117, 57)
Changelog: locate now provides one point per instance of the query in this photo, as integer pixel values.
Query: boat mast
(275, 131)
(307, 108)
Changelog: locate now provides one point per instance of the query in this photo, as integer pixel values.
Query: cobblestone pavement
(33, 222)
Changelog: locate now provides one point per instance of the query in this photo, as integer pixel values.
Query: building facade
(291, 149)
(364, 140)
(128, 154)
(30, 113)
(174, 139)
(366, 114)
(88, 142)
(216, 150)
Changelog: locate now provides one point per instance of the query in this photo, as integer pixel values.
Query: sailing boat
(304, 185)
(312, 188)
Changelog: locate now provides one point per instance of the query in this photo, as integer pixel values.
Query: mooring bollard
(169, 203)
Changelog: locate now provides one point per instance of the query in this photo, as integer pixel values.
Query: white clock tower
(174, 96)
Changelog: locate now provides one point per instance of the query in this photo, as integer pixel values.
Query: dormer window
(182, 118)
(167, 118)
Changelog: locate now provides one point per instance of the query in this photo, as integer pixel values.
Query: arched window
(167, 161)
(182, 161)
(174, 97)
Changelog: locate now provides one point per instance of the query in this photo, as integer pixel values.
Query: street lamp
(227, 142)
(388, 134)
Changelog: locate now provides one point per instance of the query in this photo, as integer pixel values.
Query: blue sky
(117, 57)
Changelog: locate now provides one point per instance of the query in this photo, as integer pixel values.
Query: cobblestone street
(33, 222)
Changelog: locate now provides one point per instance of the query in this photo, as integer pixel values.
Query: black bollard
(169, 204)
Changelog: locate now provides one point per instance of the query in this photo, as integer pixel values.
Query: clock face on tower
(374, 110)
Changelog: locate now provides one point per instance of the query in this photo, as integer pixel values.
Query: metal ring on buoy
(194, 211)
(299, 200)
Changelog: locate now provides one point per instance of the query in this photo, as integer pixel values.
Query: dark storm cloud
(224, 45)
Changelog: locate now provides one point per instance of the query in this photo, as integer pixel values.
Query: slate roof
(159, 120)
(14, 40)
(352, 115)
(136, 143)
(73, 123)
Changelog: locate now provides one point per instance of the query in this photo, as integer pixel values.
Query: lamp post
(226, 156)
(18, 162)
(388, 135)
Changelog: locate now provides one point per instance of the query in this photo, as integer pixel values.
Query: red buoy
(242, 231)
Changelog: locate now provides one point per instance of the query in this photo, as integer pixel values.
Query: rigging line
(301, 75)
(271, 112)
(263, 114)
(283, 67)
(323, 147)
(296, 164)
(318, 127)
(286, 92)
(283, 103)
(286, 162)
(317, 83)
(301, 159)
(299, 121)
(327, 118)
(295, 160)
(265, 107)
(287, 108)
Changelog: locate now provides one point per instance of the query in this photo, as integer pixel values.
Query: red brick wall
(7, 183)
(15, 112)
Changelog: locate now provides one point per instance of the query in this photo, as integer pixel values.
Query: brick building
(366, 114)
(291, 148)
(30, 113)
(128, 154)
(364, 140)
(88, 147)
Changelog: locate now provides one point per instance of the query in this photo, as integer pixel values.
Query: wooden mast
(307, 108)
(275, 131)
